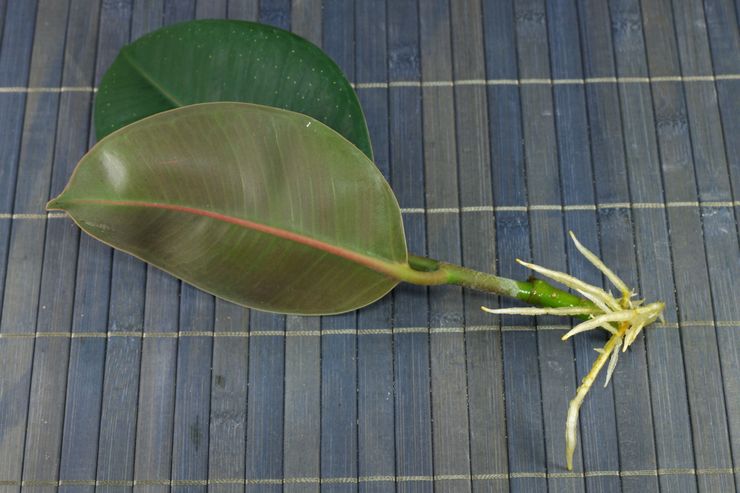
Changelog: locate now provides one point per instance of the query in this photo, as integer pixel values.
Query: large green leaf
(261, 206)
(226, 60)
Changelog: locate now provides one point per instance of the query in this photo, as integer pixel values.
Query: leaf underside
(264, 207)
(227, 60)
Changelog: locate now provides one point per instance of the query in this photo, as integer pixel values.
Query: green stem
(426, 271)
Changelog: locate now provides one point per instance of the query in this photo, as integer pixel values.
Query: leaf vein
(152, 82)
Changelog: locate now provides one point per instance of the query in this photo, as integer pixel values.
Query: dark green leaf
(265, 207)
(226, 60)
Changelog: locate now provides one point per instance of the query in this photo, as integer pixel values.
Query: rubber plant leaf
(227, 60)
(261, 206)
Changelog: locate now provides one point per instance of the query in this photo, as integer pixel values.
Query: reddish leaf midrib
(383, 267)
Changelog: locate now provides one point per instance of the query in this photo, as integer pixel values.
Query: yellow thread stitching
(363, 479)
(332, 332)
(484, 208)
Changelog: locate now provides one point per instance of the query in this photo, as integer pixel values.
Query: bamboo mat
(500, 125)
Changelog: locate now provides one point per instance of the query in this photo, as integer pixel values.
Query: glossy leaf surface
(264, 207)
(227, 60)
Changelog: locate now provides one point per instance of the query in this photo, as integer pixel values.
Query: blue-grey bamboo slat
(375, 395)
(146, 17)
(92, 296)
(228, 412)
(576, 176)
(338, 403)
(598, 422)
(375, 387)
(158, 365)
(483, 348)
(664, 358)
(190, 441)
(30, 171)
(305, 20)
(117, 442)
(338, 352)
(153, 446)
(191, 438)
(710, 162)
(211, 9)
(632, 397)
(194, 359)
(450, 428)
(711, 169)
(724, 37)
(62, 237)
(630, 380)
(264, 454)
(265, 401)
(229, 376)
(540, 151)
(15, 58)
(302, 420)
(414, 454)
(704, 385)
(49, 364)
(243, 9)
(492, 449)
(723, 257)
(275, 12)
(178, 11)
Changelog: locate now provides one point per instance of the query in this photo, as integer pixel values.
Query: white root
(565, 311)
(631, 317)
(596, 261)
(597, 322)
(612, 363)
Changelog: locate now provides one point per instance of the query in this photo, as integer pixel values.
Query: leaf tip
(55, 204)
